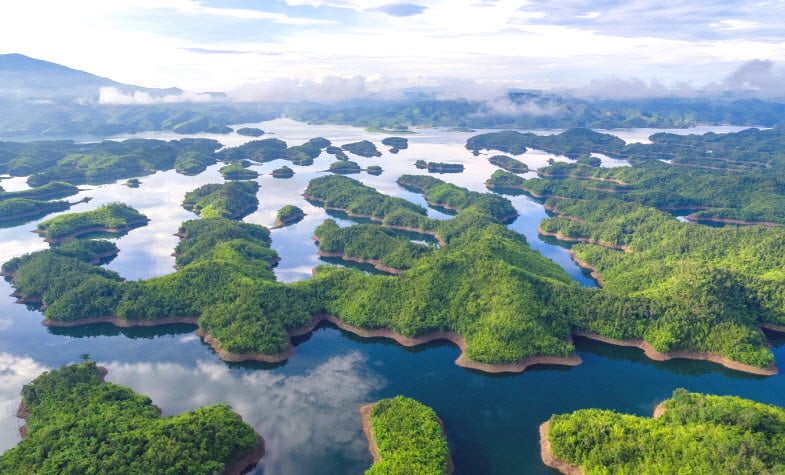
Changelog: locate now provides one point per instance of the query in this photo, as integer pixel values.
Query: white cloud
(735, 25)
(111, 95)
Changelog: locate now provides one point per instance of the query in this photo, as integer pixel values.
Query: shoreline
(585, 265)
(376, 263)
(561, 237)
(655, 355)
(93, 229)
(547, 456)
(449, 336)
(365, 418)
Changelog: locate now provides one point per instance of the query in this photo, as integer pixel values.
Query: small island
(396, 144)
(374, 170)
(287, 215)
(363, 148)
(18, 210)
(50, 191)
(236, 171)
(438, 167)
(250, 132)
(508, 163)
(283, 172)
(402, 432)
(689, 433)
(339, 154)
(345, 167)
(114, 218)
(132, 183)
(233, 199)
(78, 423)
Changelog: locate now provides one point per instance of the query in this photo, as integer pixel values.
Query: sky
(340, 49)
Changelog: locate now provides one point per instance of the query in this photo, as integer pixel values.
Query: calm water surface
(306, 408)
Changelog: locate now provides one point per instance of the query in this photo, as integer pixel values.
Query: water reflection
(15, 371)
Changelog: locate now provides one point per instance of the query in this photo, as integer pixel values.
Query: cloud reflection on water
(15, 372)
(309, 421)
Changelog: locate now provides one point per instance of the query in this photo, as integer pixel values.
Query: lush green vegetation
(46, 162)
(345, 167)
(289, 214)
(335, 191)
(339, 154)
(77, 423)
(132, 183)
(49, 191)
(374, 170)
(571, 143)
(235, 171)
(283, 172)
(261, 151)
(438, 167)
(250, 132)
(409, 438)
(112, 216)
(15, 211)
(396, 144)
(369, 241)
(234, 199)
(455, 198)
(363, 148)
(696, 434)
(508, 163)
(305, 154)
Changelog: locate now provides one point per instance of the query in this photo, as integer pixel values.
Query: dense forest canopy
(696, 433)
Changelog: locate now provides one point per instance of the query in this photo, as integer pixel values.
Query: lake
(307, 407)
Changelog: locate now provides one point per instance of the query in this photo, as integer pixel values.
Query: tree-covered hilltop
(236, 171)
(250, 132)
(283, 172)
(508, 163)
(233, 200)
(407, 437)
(95, 163)
(78, 423)
(287, 215)
(111, 217)
(335, 191)
(345, 167)
(363, 148)
(396, 144)
(369, 242)
(708, 289)
(15, 211)
(695, 433)
(50, 191)
(452, 197)
(267, 150)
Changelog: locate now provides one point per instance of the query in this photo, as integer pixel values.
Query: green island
(339, 154)
(363, 148)
(115, 218)
(508, 163)
(267, 150)
(454, 198)
(283, 172)
(396, 144)
(345, 167)
(132, 183)
(50, 191)
(689, 433)
(250, 132)
(484, 289)
(287, 215)
(78, 423)
(15, 211)
(387, 250)
(236, 171)
(439, 167)
(374, 170)
(405, 436)
(233, 199)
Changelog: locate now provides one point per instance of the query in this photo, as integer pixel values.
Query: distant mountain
(30, 79)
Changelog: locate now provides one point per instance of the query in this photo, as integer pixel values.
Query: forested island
(689, 433)
(115, 218)
(234, 199)
(17, 210)
(439, 167)
(363, 148)
(78, 423)
(396, 144)
(237, 171)
(345, 167)
(287, 215)
(250, 132)
(508, 163)
(405, 436)
(283, 172)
